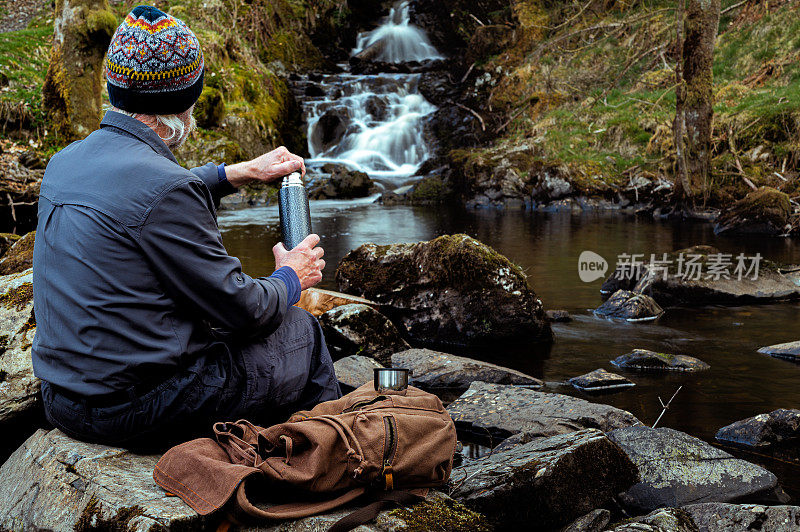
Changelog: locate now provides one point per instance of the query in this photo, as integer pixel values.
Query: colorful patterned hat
(154, 64)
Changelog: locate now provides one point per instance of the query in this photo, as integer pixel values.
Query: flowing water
(373, 123)
(740, 383)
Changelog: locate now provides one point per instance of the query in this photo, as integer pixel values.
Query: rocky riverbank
(562, 461)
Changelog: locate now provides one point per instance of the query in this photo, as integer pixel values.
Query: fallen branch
(474, 113)
(734, 6)
(512, 117)
(665, 407)
(732, 147)
(476, 19)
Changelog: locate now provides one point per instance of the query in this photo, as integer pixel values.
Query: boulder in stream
(702, 275)
(594, 521)
(19, 389)
(433, 370)
(558, 316)
(357, 329)
(646, 360)
(450, 291)
(600, 380)
(343, 183)
(629, 306)
(787, 351)
(549, 481)
(765, 431)
(355, 370)
(498, 411)
(678, 469)
(765, 211)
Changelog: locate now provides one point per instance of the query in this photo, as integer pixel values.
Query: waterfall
(373, 123)
(397, 40)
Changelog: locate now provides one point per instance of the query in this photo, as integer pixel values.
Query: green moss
(20, 256)
(92, 520)
(210, 108)
(445, 514)
(101, 25)
(18, 297)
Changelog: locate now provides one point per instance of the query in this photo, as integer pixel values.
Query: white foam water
(377, 118)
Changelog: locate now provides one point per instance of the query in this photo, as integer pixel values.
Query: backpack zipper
(390, 426)
(366, 402)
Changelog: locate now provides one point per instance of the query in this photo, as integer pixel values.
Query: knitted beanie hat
(154, 64)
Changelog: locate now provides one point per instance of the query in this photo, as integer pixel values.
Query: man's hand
(266, 168)
(305, 260)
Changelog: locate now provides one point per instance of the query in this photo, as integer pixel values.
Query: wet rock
(629, 306)
(489, 40)
(558, 316)
(600, 380)
(355, 370)
(342, 184)
(437, 88)
(787, 351)
(357, 329)
(678, 469)
(765, 211)
(720, 517)
(501, 410)
(594, 521)
(329, 130)
(693, 285)
(436, 512)
(451, 291)
(549, 481)
(314, 91)
(64, 484)
(764, 431)
(318, 301)
(19, 256)
(432, 370)
(645, 360)
(19, 389)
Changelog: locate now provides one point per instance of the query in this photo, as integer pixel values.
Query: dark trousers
(263, 381)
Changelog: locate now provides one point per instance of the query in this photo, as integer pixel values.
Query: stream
(373, 123)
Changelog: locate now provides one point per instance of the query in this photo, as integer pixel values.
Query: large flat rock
(646, 360)
(53, 482)
(677, 469)
(788, 351)
(19, 389)
(433, 370)
(501, 410)
(695, 282)
(547, 482)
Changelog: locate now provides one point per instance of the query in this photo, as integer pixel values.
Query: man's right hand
(305, 260)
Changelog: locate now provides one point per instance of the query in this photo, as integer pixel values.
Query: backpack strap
(369, 512)
(294, 510)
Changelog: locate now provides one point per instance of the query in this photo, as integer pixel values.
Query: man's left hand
(266, 168)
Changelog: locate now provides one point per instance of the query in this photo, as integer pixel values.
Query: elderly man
(148, 331)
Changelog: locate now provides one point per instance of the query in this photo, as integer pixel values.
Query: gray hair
(177, 127)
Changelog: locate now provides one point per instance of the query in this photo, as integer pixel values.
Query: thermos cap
(293, 179)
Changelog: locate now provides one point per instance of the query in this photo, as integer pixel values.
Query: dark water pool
(741, 382)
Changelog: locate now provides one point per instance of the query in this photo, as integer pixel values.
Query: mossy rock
(20, 256)
(6, 241)
(210, 108)
(645, 360)
(765, 211)
(450, 291)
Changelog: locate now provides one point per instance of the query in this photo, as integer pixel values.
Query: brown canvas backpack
(366, 443)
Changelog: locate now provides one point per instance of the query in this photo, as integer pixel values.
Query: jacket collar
(133, 127)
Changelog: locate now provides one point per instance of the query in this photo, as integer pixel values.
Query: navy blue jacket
(130, 274)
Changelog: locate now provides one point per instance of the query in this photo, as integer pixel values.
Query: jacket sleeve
(181, 240)
(219, 188)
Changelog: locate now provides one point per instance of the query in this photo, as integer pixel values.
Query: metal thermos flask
(294, 211)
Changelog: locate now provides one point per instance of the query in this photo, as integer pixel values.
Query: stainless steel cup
(391, 379)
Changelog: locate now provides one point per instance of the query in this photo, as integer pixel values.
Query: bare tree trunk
(702, 24)
(72, 87)
(682, 193)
